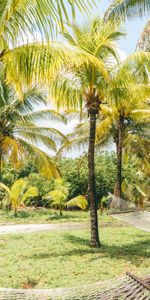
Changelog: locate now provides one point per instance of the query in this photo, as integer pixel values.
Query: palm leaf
(4, 187)
(22, 16)
(129, 8)
(31, 192)
(38, 63)
(79, 201)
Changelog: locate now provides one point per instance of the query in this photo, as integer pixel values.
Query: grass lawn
(64, 259)
(47, 216)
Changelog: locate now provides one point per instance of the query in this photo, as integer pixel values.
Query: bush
(77, 175)
(73, 171)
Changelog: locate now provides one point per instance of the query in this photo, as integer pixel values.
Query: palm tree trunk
(118, 183)
(93, 207)
(60, 211)
(15, 212)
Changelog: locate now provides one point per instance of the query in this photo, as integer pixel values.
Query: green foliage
(77, 175)
(27, 169)
(8, 175)
(29, 172)
(75, 172)
(43, 185)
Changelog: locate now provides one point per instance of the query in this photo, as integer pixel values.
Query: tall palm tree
(20, 134)
(123, 120)
(81, 86)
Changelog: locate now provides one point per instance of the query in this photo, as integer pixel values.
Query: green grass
(47, 216)
(64, 259)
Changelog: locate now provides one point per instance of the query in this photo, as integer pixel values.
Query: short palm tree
(57, 198)
(18, 193)
(20, 134)
(84, 86)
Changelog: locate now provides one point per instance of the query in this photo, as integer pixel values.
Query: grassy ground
(61, 259)
(47, 216)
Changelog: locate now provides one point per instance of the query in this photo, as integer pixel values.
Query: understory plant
(18, 193)
(57, 197)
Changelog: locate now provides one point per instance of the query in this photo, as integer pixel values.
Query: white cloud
(122, 54)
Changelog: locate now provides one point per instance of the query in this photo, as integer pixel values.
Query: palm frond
(4, 187)
(129, 8)
(38, 63)
(31, 192)
(22, 16)
(43, 161)
(79, 201)
(45, 114)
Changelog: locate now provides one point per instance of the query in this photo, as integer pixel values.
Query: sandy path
(28, 228)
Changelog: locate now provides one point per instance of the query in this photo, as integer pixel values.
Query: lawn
(64, 258)
(27, 216)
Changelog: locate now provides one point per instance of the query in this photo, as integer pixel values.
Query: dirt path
(28, 228)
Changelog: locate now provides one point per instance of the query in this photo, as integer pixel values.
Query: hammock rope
(126, 287)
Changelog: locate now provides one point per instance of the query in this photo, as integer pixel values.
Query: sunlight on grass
(64, 259)
(47, 216)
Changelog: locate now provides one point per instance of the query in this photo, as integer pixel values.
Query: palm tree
(18, 193)
(123, 120)
(23, 19)
(57, 198)
(84, 85)
(20, 134)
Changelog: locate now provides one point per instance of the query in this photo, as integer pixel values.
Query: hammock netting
(125, 287)
(139, 219)
(120, 204)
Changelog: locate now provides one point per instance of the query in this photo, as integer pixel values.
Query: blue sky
(132, 28)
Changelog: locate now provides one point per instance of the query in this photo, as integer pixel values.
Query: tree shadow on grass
(20, 215)
(134, 252)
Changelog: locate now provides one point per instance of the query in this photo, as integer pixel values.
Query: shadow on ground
(134, 252)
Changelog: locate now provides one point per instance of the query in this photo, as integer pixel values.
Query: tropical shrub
(57, 198)
(18, 193)
(77, 175)
(8, 175)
